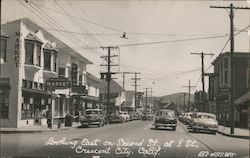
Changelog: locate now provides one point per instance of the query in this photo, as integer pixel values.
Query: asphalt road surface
(131, 139)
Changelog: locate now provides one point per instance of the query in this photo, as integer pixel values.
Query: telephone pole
(202, 54)
(108, 74)
(232, 8)
(189, 89)
(146, 96)
(135, 79)
(184, 101)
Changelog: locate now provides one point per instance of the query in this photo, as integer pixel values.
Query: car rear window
(168, 113)
(206, 116)
(91, 112)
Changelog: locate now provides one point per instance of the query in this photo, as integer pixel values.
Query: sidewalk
(238, 132)
(36, 129)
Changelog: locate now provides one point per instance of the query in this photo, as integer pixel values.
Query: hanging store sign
(74, 71)
(80, 90)
(58, 83)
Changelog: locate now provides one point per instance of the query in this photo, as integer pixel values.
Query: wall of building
(10, 70)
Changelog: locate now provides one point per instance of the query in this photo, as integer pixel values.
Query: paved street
(131, 139)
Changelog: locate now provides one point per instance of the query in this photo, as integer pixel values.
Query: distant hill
(174, 98)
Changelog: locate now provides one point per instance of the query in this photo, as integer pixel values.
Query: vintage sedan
(92, 117)
(204, 122)
(165, 118)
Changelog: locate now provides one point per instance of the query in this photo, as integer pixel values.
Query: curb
(33, 131)
(234, 136)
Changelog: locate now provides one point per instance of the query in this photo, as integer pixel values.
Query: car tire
(174, 128)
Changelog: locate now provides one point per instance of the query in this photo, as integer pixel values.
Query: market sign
(58, 83)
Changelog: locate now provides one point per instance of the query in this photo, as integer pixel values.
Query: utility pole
(202, 54)
(109, 73)
(146, 96)
(189, 89)
(231, 7)
(135, 79)
(184, 101)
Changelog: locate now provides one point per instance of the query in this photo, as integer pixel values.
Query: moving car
(146, 115)
(165, 118)
(204, 122)
(92, 117)
(125, 115)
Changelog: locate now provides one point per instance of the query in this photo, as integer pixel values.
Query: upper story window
(248, 78)
(3, 49)
(38, 55)
(50, 57)
(33, 50)
(80, 80)
(54, 62)
(225, 63)
(61, 72)
(47, 60)
(29, 52)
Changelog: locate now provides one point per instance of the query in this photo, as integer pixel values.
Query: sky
(165, 66)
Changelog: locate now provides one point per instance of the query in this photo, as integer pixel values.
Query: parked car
(92, 117)
(115, 118)
(204, 122)
(165, 118)
(137, 116)
(187, 118)
(146, 115)
(125, 115)
(181, 117)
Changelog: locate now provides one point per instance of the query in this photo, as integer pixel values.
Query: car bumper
(215, 129)
(165, 124)
(90, 122)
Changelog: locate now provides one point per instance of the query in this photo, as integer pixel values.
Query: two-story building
(219, 89)
(31, 58)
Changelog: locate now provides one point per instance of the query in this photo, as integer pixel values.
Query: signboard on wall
(74, 71)
(58, 83)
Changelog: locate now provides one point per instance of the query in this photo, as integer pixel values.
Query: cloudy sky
(160, 35)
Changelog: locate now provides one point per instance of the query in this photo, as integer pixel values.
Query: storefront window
(27, 107)
(4, 101)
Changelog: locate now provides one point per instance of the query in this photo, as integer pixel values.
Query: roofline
(77, 54)
(228, 53)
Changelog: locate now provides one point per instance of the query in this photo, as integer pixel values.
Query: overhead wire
(47, 19)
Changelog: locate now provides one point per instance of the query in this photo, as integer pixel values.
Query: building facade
(40, 75)
(219, 88)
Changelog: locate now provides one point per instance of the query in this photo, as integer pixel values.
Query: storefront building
(220, 89)
(30, 56)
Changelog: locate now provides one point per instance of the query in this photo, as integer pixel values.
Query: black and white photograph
(125, 79)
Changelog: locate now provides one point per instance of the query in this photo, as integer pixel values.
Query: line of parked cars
(200, 121)
(97, 117)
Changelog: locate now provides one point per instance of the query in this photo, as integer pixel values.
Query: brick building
(219, 86)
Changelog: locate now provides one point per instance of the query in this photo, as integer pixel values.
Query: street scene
(129, 78)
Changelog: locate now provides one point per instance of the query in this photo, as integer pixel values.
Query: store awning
(35, 91)
(242, 99)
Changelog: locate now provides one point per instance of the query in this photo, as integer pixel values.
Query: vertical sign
(18, 46)
(74, 72)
